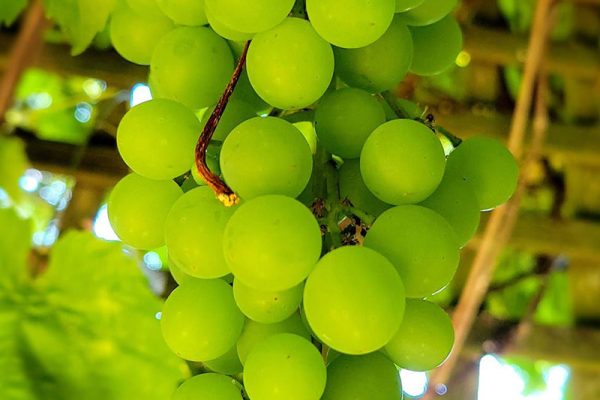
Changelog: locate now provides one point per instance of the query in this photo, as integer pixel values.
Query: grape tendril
(224, 193)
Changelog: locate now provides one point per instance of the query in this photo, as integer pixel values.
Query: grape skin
(266, 156)
(350, 23)
(354, 289)
(424, 339)
(179, 71)
(200, 320)
(367, 377)
(272, 242)
(157, 138)
(303, 70)
(294, 368)
(420, 243)
(137, 221)
(402, 162)
(209, 386)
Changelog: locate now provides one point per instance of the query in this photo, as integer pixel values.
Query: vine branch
(224, 193)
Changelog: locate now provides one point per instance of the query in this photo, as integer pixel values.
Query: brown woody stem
(224, 193)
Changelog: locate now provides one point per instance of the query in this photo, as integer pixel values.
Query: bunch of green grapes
(272, 285)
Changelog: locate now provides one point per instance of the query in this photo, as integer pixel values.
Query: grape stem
(332, 204)
(224, 193)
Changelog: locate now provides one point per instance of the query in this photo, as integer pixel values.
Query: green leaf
(86, 329)
(13, 163)
(80, 20)
(10, 10)
(15, 239)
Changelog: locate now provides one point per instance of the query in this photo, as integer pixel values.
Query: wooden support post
(28, 42)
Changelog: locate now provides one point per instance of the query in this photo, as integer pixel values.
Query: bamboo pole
(503, 219)
(28, 42)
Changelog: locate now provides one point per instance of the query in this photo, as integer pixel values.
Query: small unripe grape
(354, 300)
(345, 119)
(379, 66)
(488, 167)
(285, 366)
(303, 71)
(138, 208)
(200, 320)
(135, 35)
(255, 332)
(420, 243)
(402, 162)
(191, 65)
(368, 377)
(250, 16)
(157, 138)
(266, 156)
(184, 12)
(428, 12)
(350, 23)
(436, 46)
(209, 386)
(424, 339)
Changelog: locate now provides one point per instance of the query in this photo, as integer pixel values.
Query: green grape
(402, 162)
(157, 138)
(405, 5)
(307, 129)
(266, 156)
(224, 31)
(290, 77)
(350, 23)
(137, 221)
(145, 7)
(236, 112)
(177, 273)
(200, 320)
(488, 167)
(456, 202)
(354, 300)
(345, 119)
(209, 386)
(436, 46)
(250, 16)
(285, 366)
(255, 332)
(354, 189)
(192, 66)
(379, 66)
(246, 93)
(429, 12)
(264, 306)
(184, 12)
(194, 233)
(228, 364)
(420, 243)
(272, 242)
(135, 35)
(368, 377)
(410, 108)
(424, 339)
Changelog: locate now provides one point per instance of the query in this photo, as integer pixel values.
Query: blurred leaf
(86, 329)
(81, 20)
(56, 108)
(512, 302)
(518, 13)
(13, 163)
(556, 307)
(10, 10)
(15, 239)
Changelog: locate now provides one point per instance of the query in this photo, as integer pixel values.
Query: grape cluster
(351, 213)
